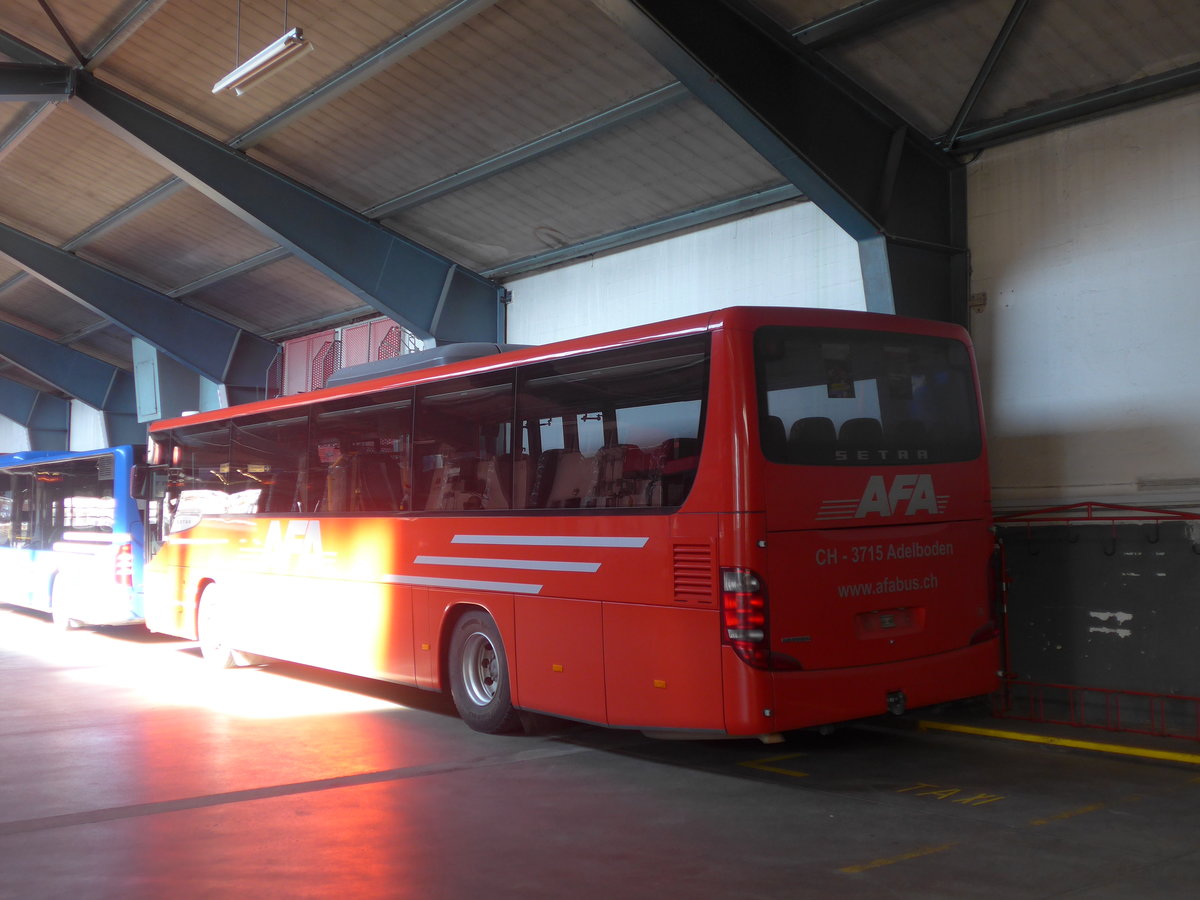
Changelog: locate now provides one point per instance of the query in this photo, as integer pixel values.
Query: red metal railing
(1132, 712)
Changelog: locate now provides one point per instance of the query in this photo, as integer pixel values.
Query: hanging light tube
(267, 61)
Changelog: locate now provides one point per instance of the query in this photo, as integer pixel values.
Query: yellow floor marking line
(764, 765)
(1143, 752)
(892, 860)
(1069, 814)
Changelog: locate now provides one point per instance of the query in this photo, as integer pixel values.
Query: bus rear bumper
(809, 698)
(114, 607)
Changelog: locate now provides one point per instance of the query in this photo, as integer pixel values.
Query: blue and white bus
(71, 538)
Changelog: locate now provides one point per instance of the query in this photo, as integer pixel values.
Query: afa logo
(905, 495)
(302, 537)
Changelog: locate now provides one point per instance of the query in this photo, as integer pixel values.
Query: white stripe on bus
(537, 565)
(549, 540)
(422, 581)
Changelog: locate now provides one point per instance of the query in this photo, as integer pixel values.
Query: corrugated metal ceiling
(519, 128)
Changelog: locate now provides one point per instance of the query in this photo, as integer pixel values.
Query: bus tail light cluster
(744, 616)
(123, 566)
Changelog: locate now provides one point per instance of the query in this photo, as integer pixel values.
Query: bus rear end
(871, 584)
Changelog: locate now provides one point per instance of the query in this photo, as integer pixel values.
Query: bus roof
(37, 457)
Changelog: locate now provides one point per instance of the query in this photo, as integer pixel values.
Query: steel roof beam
(47, 418)
(22, 126)
(857, 19)
(205, 344)
(77, 374)
(148, 199)
(35, 81)
(839, 26)
(420, 35)
(887, 186)
(502, 162)
(648, 231)
(246, 265)
(134, 19)
(1029, 122)
(12, 46)
(423, 290)
(985, 71)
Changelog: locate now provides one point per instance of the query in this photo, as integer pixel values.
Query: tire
(479, 680)
(213, 633)
(58, 610)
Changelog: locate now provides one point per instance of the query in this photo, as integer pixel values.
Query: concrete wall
(789, 256)
(1087, 243)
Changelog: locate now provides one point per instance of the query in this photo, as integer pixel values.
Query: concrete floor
(131, 770)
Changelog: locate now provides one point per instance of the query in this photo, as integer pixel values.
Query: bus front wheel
(479, 675)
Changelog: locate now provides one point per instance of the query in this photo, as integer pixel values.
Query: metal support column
(886, 185)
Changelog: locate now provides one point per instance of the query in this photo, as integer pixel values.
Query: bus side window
(21, 527)
(464, 432)
(266, 461)
(359, 454)
(203, 484)
(615, 425)
(6, 517)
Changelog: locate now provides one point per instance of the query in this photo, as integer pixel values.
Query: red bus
(739, 522)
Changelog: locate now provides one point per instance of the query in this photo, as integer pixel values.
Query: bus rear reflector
(123, 566)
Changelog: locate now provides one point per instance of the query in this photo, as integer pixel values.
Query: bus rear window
(846, 398)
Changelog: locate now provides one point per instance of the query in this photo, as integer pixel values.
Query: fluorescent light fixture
(267, 61)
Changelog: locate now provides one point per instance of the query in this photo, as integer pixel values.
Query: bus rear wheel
(479, 680)
(213, 632)
(60, 614)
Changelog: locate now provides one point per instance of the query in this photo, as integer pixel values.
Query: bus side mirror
(141, 481)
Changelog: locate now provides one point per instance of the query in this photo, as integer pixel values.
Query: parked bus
(741, 522)
(71, 535)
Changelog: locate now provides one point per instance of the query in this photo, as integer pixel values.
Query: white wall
(87, 427)
(789, 256)
(14, 438)
(1087, 243)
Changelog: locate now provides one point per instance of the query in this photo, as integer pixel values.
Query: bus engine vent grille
(693, 573)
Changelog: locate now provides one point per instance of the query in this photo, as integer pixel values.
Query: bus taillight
(123, 566)
(744, 616)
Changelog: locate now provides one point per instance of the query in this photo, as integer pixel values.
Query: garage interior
(428, 171)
